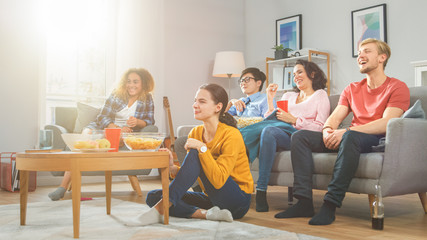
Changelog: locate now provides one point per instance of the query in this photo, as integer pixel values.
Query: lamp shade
(228, 64)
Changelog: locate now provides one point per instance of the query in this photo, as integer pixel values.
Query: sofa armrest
(57, 130)
(184, 130)
(405, 157)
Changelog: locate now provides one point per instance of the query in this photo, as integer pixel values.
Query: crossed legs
(223, 204)
(60, 191)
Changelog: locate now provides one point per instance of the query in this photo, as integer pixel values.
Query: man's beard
(367, 69)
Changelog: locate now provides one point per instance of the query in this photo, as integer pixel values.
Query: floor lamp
(228, 64)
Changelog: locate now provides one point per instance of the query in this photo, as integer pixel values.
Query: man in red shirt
(373, 101)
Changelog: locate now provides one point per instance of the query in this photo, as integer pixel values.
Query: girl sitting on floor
(217, 155)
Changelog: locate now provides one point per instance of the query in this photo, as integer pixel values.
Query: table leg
(165, 187)
(76, 181)
(108, 180)
(23, 186)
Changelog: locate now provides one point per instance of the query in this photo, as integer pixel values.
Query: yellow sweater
(226, 156)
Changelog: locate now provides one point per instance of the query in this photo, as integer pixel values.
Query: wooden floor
(405, 218)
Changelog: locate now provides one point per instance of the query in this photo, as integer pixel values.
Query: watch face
(203, 149)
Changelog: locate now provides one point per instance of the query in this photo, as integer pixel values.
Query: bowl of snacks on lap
(92, 141)
(247, 121)
(143, 141)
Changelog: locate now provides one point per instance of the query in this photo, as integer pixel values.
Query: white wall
(194, 31)
(19, 75)
(326, 25)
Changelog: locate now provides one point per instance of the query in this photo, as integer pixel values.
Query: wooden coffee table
(99, 161)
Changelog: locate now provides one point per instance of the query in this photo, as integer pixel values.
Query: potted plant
(281, 52)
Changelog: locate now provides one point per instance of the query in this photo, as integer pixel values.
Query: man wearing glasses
(255, 103)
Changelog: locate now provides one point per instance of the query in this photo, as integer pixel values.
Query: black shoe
(261, 201)
(325, 216)
(303, 208)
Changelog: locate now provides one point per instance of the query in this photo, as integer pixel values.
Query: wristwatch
(203, 149)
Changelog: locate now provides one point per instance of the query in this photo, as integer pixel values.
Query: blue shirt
(256, 107)
(144, 111)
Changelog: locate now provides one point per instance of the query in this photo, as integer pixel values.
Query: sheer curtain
(90, 44)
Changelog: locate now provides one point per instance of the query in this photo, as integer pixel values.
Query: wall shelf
(281, 71)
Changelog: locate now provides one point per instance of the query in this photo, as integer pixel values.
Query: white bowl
(143, 141)
(71, 138)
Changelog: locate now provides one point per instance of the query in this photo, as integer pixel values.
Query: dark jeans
(273, 139)
(185, 203)
(305, 142)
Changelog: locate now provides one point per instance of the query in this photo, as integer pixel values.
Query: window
(79, 46)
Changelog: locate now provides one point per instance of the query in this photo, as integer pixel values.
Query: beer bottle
(378, 210)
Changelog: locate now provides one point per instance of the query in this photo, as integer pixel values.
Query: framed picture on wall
(368, 23)
(288, 32)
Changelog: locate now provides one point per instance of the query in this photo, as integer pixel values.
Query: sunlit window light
(77, 43)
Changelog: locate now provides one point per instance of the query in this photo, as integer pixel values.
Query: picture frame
(368, 22)
(288, 32)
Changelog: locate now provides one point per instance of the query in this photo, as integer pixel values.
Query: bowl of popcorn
(247, 121)
(93, 141)
(143, 141)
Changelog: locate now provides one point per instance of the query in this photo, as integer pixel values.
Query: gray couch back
(66, 117)
(333, 101)
(419, 93)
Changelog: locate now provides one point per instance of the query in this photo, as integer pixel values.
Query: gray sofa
(72, 120)
(401, 169)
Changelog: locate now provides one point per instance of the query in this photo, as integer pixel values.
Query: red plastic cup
(113, 135)
(283, 104)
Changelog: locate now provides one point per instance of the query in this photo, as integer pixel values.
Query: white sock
(216, 214)
(152, 216)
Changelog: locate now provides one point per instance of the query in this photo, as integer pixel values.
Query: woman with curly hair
(130, 107)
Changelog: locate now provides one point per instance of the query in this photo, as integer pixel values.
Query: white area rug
(53, 220)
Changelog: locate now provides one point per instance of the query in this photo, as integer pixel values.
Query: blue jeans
(273, 139)
(185, 203)
(305, 142)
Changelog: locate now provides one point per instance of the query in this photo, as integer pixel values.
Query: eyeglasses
(245, 80)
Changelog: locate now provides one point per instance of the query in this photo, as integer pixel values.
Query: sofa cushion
(370, 164)
(419, 93)
(85, 115)
(416, 111)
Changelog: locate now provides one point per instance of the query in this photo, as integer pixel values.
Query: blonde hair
(382, 47)
(146, 80)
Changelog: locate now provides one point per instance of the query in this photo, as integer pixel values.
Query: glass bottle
(378, 210)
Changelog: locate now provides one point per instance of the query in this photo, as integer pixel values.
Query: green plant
(281, 48)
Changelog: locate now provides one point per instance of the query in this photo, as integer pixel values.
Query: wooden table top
(94, 161)
(90, 154)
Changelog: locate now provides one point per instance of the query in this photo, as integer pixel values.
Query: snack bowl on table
(143, 141)
(92, 141)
